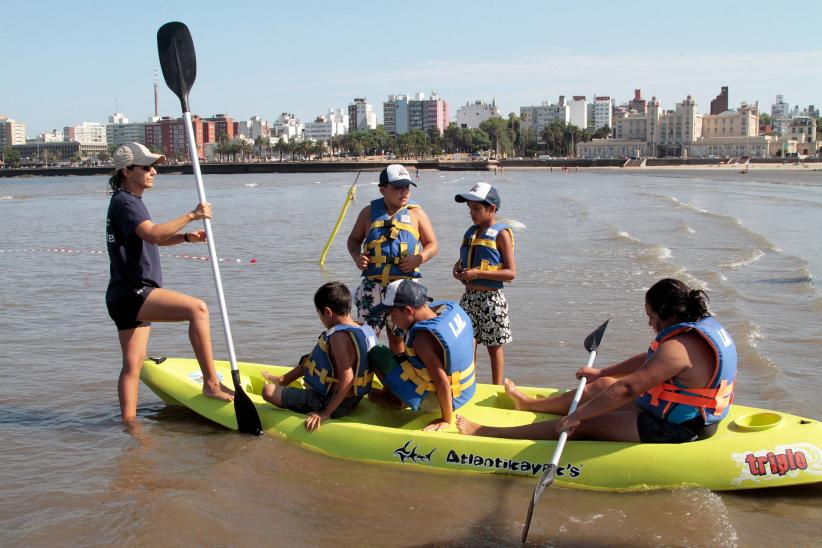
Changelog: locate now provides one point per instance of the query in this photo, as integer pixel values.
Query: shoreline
(326, 166)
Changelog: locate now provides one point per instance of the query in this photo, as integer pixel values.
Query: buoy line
(101, 252)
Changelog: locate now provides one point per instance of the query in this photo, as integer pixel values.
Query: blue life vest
(389, 240)
(319, 371)
(676, 403)
(452, 328)
(480, 251)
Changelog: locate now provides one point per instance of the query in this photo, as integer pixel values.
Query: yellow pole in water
(352, 192)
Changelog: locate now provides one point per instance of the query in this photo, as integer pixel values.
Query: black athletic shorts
(652, 429)
(124, 303)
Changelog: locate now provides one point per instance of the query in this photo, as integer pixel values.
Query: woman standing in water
(135, 296)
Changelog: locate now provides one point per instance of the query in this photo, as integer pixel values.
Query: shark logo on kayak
(405, 454)
(782, 461)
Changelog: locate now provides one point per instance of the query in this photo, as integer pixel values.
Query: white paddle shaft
(577, 396)
(212, 250)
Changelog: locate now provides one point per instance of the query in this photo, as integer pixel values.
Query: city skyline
(264, 61)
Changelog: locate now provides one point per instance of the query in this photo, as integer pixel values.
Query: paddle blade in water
(592, 341)
(527, 526)
(177, 59)
(546, 480)
(248, 420)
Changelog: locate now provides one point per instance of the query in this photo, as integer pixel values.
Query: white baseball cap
(400, 293)
(396, 175)
(480, 192)
(135, 154)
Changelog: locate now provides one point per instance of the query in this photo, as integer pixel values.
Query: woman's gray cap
(135, 154)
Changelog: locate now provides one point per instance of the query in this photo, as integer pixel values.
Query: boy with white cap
(486, 261)
(436, 372)
(391, 238)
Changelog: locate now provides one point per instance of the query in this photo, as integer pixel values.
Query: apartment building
(12, 132)
(361, 115)
(545, 114)
(471, 115)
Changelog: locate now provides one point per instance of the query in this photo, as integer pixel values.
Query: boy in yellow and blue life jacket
(436, 372)
(336, 372)
(391, 238)
(486, 261)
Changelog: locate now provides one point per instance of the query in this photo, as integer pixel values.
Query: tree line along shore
(441, 164)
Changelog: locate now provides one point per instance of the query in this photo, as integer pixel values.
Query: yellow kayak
(753, 448)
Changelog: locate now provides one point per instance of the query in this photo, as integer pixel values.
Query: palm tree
(246, 149)
(260, 143)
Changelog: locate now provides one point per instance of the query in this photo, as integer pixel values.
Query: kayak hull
(753, 448)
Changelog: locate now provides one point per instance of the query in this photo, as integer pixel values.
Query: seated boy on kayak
(676, 392)
(436, 371)
(336, 373)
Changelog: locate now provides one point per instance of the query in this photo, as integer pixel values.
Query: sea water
(592, 243)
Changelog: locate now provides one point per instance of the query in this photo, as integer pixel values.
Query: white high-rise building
(471, 115)
(119, 131)
(537, 117)
(324, 127)
(361, 115)
(780, 109)
(579, 111)
(87, 133)
(253, 127)
(11, 132)
(600, 113)
(287, 127)
(52, 136)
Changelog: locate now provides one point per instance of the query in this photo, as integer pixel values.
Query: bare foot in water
(520, 400)
(467, 427)
(219, 392)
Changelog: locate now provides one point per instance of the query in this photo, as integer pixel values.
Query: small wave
(6, 197)
(625, 235)
(251, 185)
(659, 252)
(514, 224)
(688, 230)
(754, 256)
(753, 335)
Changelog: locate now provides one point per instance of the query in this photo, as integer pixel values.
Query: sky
(63, 63)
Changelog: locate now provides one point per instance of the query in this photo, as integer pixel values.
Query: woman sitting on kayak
(676, 392)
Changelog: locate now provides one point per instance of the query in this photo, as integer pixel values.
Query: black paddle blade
(546, 480)
(248, 421)
(592, 341)
(177, 59)
(527, 526)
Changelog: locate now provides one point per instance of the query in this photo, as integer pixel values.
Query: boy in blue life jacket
(336, 372)
(391, 238)
(436, 371)
(486, 261)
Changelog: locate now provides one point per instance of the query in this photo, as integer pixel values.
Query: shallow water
(593, 243)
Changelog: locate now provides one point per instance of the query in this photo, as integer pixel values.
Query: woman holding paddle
(135, 296)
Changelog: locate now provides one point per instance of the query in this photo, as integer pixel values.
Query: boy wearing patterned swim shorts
(486, 262)
(391, 238)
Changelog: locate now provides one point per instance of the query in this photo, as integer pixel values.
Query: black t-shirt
(134, 262)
